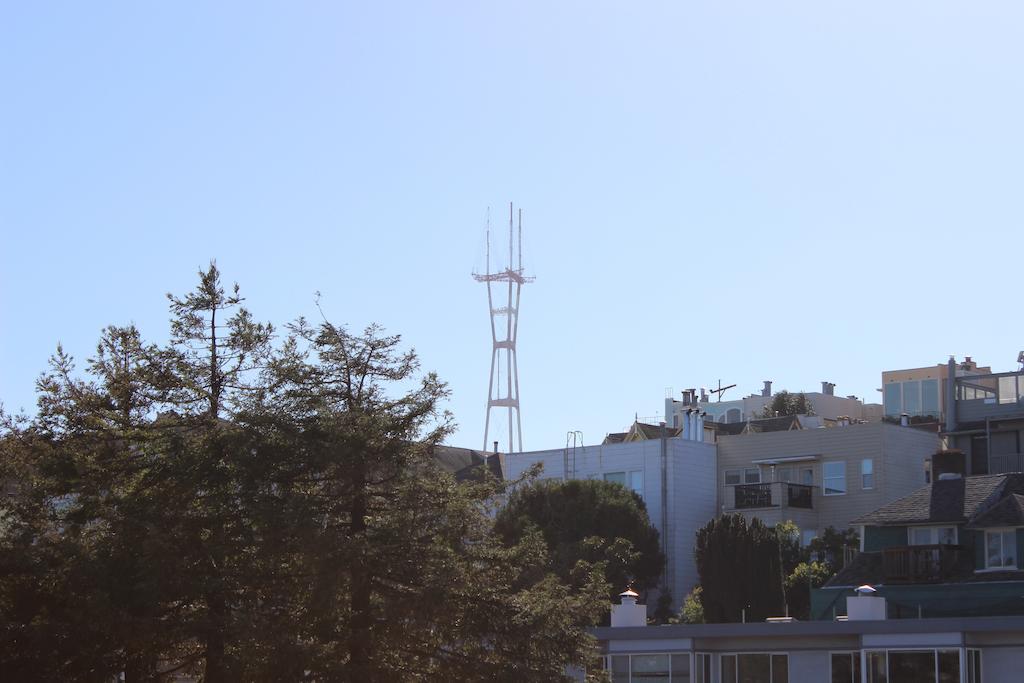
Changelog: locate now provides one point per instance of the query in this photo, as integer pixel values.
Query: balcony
(1006, 462)
(919, 563)
(776, 494)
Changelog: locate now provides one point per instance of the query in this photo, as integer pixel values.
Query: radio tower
(505, 319)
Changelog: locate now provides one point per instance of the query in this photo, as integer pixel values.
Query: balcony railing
(772, 494)
(919, 563)
(1008, 462)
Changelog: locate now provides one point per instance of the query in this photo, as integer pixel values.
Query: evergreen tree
(225, 509)
(740, 570)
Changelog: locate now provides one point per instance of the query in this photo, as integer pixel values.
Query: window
(834, 475)
(752, 475)
(702, 668)
(784, 474)
(651, 668)
(1001, 549)
(867, 473)
(806, 536)
(932, 535)
(973, 666)
(755, 668)
(845, 667)
(913, 666)
(930, 397)
(893, 400)
(733, 477)
(634, 481)
(807, 476)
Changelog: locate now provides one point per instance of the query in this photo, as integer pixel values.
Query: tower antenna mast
(506, 319)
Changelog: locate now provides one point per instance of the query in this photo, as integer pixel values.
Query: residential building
(674, 476)
(819, 477)
(952, 548)
(825, 404)
(986, 420)
(921, 393)
(865, 648)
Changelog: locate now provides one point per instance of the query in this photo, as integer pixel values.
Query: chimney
(950, 406)
(495, 447)
(767, 391)
(948, 464)
(628, 613)
(703, 395)
(828, 388)
(688, 425)
(865, 606)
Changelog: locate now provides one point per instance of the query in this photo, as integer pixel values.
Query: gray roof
(1007, 512)
(948, 500)
(462, 462)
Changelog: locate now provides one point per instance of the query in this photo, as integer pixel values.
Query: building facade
(820, 477)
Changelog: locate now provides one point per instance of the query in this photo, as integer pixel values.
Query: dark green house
(952, 548)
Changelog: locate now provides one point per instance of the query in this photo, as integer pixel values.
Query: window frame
(865, 483)
(736, 670)
(998, 532)
(628, 656)
(855, 664)
(738, 473)
(934, 531)
(825, 478)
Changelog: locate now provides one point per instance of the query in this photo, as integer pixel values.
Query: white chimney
(628, 613)
(865, 606)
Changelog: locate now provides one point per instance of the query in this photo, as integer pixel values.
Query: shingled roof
(965, 499)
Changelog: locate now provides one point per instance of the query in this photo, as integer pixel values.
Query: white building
(825, 403)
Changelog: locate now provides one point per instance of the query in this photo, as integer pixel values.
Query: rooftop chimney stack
(628, 613)
(767, 391)
(828, 388)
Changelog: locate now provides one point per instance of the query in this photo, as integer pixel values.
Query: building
(820, 477)
(951, 548)
(986, 421)
(865, 648)
(825, 404)
(674, 476)
(921, 393)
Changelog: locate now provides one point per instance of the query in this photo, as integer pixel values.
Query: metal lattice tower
(503, 349)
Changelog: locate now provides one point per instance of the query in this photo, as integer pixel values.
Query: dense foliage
(785, 403)
(239, 506)
(740, 568)
(586, 522)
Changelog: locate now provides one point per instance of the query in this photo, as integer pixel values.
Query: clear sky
(794, 191)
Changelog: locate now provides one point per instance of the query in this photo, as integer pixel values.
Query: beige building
(920, 393)
(821, 477)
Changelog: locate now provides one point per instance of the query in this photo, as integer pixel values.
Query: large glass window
(752, 475)
(912, 397)
(845, 667)
(893, 399)
(1008, 389)
(651, 668)
(974, 666)
(755, 668)
(834, 478)
(914, 666)
(701, 668)
(1001, 549)
(733, 477)
(930, 397)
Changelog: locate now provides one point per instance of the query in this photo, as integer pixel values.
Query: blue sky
(794, 191)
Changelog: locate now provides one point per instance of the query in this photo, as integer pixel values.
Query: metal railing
(1007, 462)
(773, 494)
(919, 563)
